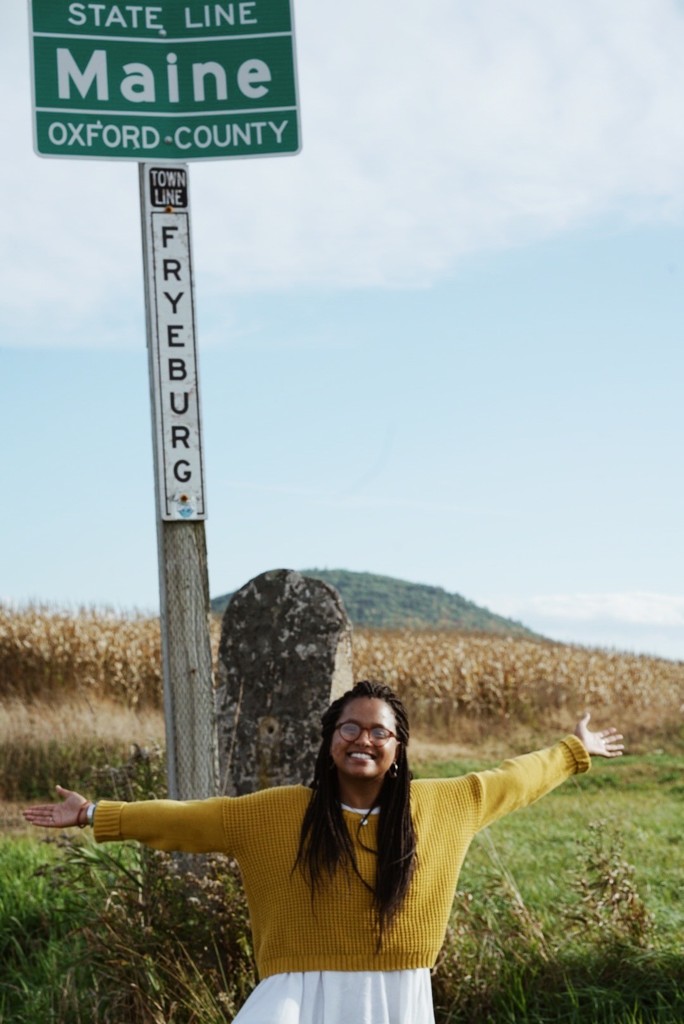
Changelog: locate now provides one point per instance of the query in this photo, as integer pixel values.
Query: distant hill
(387, 603)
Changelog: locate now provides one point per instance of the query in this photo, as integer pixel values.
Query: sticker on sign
(171, 81)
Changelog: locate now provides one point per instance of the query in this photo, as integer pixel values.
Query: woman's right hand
(61, 815)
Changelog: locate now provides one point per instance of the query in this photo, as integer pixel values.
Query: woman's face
(361, 759)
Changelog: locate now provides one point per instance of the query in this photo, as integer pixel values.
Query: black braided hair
(324, 842)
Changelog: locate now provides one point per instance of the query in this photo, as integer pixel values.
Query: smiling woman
(363, 749)
(350, 881)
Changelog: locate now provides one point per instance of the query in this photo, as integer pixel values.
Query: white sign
(172, 342)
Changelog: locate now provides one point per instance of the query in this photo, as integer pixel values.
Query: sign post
(179, 471)
(163, 83)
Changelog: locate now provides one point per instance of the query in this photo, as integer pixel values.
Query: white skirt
(341, 997)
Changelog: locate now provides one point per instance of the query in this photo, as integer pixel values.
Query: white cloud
(462, 127)
(637, 607)
(637, 620)
(430, 131)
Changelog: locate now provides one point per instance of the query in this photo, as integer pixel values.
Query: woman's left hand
(605, 743)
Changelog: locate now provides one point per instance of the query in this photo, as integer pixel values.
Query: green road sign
(169, 80)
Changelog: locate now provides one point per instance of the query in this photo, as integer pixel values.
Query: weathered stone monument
(285, 652)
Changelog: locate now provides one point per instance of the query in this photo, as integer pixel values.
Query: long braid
(324, 842)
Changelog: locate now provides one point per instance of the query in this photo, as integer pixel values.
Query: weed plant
(170, 939)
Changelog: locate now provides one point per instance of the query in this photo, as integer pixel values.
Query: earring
(394, 769)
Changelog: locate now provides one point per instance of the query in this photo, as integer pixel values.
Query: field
(570, 911)
(444, 677)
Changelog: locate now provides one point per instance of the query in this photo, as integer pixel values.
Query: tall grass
(42, 946)
(43, 743)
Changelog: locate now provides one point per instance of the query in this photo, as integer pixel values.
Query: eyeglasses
(377, 734)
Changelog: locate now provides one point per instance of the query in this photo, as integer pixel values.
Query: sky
(442, 343)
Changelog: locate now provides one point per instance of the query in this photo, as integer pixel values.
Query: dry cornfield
(51, 654)
(48, 654)
(440, 675)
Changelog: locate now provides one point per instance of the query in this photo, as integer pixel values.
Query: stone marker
(285, 652)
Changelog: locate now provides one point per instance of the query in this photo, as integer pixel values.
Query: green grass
(42, 948)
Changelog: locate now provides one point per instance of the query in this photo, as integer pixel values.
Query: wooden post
(179, 482)
(186, 659)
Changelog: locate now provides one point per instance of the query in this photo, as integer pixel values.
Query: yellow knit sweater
(261, 831)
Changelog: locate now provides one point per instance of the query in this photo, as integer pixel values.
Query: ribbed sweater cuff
(107, 820)
(579, 759)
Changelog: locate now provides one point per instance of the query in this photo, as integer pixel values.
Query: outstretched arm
(194, 826)
(605, 743)
(71, 811)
